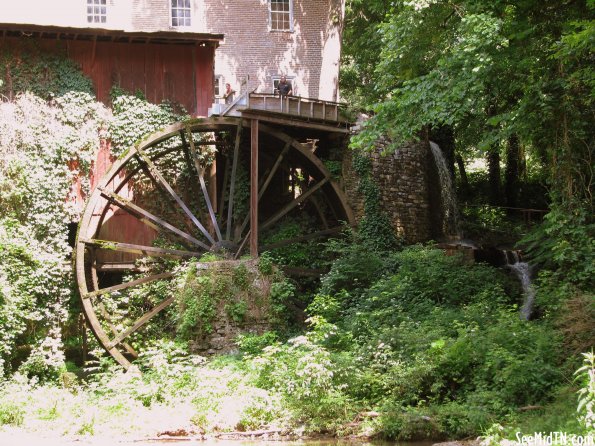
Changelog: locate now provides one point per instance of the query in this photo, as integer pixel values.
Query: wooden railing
(298, 106)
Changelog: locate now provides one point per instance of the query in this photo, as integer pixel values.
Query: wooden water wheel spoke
(273, 170)
(157, 175)
(226, 173)
(302, 238)
(145, 216)
(232, 186)
(316, 203)
(203, 185)
(262, 188)
(105, 314)
(129, 284)
(140, 322)
(140, 249)
(190, 167)
(165, 196)
(120, 267)
(162, 188)
(296, 201)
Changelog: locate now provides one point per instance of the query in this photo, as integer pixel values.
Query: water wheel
(184, 192)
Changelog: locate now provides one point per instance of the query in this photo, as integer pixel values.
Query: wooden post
(254, 188)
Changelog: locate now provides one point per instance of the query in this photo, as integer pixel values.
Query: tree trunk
(511, 175)
(495, 189)
(463, 173)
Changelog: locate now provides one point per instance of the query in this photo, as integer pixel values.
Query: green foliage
(38, 142)
(253, 344)
(304, 254)
(375, 227)
(308, 380)
(265, 264)
(235, 291)
(439, 339)
(44, 74)
(564, 244)
(586, 398)
(281, 294)
(355, 268)
(134, 118)
(198, 300)
(487, 71)
(236, 311)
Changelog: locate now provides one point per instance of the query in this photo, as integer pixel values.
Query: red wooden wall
(181, 73)
(160, 71)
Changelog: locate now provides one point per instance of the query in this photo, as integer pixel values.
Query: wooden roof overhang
(108, 35)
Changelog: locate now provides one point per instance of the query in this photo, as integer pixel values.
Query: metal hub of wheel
(183, 192)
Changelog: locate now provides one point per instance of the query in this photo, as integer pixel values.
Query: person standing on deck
(284, 87)
(228, 95)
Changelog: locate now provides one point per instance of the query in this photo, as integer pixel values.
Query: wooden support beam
(123, 286)
(254, 188)
(151, 251)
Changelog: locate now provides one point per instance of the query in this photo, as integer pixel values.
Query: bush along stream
(407, 345)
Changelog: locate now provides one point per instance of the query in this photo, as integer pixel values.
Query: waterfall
(450, 223)
(523, 271)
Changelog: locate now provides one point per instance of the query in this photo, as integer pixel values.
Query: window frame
(175, 5)
(290, 13)
(218, 85)
(98, 13)
(277, 78)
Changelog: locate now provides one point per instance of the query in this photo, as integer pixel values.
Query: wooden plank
(276, 118)
(142, 214)
(292, 204)
(123, 286)
(303, 272)
(140, 249)
(126, 267)
(140, 322)
(236, 155)
(254, 188)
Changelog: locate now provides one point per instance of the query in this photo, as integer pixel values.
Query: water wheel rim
(87, 228)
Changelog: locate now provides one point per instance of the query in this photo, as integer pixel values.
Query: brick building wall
(251, 55)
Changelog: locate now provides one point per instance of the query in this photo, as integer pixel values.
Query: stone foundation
(404, 179)
(252, 292)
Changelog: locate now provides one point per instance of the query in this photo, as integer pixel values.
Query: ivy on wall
(42, 73)
(375, 227)
(50, 130)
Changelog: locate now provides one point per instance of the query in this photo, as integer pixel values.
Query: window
(218, 87)
(180, 12)
(281, 15)
(276, 80)
(96, 11)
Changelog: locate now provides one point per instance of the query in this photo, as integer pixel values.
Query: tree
(489, 70)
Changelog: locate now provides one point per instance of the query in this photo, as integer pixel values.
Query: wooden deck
(288, 110)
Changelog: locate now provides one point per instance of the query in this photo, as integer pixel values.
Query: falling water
(450, 223)
(523, 271)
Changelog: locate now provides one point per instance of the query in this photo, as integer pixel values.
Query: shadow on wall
(309, 54)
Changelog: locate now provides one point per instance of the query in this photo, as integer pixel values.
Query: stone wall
(405, 181)
(227, 284)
